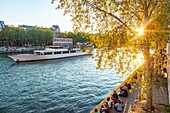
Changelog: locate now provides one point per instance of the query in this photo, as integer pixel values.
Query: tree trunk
(148, 79)
(148, 60)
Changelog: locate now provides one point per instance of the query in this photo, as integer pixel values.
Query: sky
(33, 12)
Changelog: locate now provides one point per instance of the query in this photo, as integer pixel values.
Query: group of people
(114, 101)
(124, 90)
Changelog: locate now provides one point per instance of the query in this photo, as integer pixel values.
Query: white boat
(53, 52)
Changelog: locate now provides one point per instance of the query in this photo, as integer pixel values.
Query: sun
(139, 31)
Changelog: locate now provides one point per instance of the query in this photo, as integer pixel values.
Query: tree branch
(136, 16)
(156, 2)
(149, 3)
(101, 10)
(134, 13)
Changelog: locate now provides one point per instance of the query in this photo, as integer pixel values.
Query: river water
(71, 85)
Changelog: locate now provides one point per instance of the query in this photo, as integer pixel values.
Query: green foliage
(36, 36)
(166, 108)
(18, 36)
(114, 26)
(165, 82)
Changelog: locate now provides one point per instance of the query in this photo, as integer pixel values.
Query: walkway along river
(70, 85)
(129, 102)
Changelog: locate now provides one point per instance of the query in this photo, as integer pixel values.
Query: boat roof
(51, 50)
(55, 50)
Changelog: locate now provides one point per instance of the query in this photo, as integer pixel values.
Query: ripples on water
(70, 85)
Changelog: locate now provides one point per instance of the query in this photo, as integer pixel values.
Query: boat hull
(33, 57)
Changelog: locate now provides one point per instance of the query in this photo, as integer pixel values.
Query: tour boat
(50, 53)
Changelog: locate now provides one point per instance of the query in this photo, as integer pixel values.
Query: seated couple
(124, 90)
(104, 108)
(119, 106)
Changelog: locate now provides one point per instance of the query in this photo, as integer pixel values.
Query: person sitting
(124, 87)
(123, 91)
(96, 111)
(115, 95)
(129, 86)
(108, 108)
(110, 102)
(119, 106)
(114, 100)
(104, 108)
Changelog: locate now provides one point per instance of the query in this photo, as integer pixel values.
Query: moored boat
(50, 53)
(62, 48)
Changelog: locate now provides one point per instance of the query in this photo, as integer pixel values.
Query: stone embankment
(16, 52)
(129, 102)
(134, 104)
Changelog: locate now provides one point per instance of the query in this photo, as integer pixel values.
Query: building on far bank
(2, 24)
(64, 42)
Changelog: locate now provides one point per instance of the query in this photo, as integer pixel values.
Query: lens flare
(139, 31)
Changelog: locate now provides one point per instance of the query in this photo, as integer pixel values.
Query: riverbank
(134, 104)
(17, 52)
(132, 96)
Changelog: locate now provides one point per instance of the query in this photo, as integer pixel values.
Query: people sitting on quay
(129, 86)
(119, 106)
(114, 100)
(110, 102)
(104, 108)
(115, 95)
(124, 91)
(96, 110)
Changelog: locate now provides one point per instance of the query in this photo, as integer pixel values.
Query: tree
(3, 35)
(18, 36)
(22, 37)
(10, 35)
(117, 27)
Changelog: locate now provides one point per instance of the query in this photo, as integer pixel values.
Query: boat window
(72, 51)
(57, 52)
(56, 47)
(48, 53)
(65, 52)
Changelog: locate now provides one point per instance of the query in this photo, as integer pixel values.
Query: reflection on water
(71, 85)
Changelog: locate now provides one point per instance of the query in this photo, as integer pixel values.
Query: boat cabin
(55, 47)
(52, 50)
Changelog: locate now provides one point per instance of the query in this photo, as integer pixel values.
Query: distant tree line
(18, 36)
(35, 36)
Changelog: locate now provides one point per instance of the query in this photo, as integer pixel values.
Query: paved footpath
(160, 97)
(128, 102)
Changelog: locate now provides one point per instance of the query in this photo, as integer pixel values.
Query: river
(71, 85)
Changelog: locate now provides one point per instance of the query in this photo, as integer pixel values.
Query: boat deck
(34, 57)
